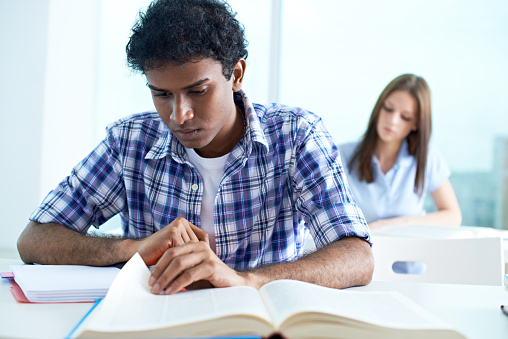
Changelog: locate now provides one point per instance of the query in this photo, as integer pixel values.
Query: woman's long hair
(418, 140)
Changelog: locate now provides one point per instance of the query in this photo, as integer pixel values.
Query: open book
(291, 308)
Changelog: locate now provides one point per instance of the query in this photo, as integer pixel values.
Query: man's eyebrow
(155, 88)
(195, 84)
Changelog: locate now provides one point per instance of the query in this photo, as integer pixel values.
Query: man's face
(196, 104)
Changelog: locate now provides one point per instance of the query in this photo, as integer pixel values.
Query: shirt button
(195, 187)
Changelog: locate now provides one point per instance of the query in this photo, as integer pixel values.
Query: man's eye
(162, 94)
(201, 91)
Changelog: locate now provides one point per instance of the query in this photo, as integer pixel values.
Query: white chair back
(474, 261)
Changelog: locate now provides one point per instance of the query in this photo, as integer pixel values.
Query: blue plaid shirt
(281, 180)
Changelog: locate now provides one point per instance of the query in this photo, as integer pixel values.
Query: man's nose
(182, 111)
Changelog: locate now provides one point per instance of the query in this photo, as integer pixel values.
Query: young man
(212, 189)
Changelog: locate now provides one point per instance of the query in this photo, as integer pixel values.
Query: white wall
(337, 56)
(22, 59)
(47, 92)
(69, 88)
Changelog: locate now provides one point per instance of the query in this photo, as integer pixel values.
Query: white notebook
(63, 283)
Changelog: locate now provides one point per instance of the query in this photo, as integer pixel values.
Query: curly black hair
(182, 31)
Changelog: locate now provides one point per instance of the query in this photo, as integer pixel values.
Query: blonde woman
(393, 166)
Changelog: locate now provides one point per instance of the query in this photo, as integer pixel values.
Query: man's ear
(238, 73)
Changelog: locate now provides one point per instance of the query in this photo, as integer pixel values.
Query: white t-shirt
(211, 171)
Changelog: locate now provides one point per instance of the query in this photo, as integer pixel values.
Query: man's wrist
(127, 248)
(252, 279)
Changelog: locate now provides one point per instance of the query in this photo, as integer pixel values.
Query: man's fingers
(189, 276)
(174, 262)
(177, 241)
(165, 261)
(200, 234)
(191, 234)
(206, 239)
(184, 234)
(181, 266)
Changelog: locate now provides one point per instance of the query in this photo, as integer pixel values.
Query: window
(337, 56)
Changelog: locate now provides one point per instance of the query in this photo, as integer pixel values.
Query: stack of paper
(63, 283)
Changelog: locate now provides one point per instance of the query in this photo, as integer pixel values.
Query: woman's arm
(447, 214)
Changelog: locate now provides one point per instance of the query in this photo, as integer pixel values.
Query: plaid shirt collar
(168, 144)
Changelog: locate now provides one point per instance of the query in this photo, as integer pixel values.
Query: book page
(285, 298)
(130, 306)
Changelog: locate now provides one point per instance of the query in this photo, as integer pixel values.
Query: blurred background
(64, 78)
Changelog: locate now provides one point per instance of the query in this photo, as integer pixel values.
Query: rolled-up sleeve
(90, 195)
(322, 193)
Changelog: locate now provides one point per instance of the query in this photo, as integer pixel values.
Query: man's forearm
(344, 263)
(57, 245)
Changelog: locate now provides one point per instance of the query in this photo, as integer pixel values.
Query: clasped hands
(183, 258)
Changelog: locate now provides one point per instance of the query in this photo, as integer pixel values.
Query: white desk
(473, 310)
(436, 232)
